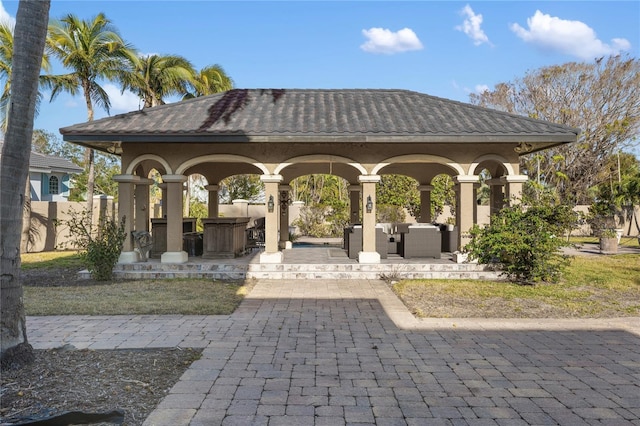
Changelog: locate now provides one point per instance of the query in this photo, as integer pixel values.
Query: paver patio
(347, 352)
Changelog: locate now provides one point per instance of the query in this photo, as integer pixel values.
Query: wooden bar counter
(224, 237)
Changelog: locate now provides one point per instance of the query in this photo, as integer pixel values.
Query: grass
(143, 297)
(624, 241)
(51, 259)
(602, 286)
(598, 286)
(139, 297)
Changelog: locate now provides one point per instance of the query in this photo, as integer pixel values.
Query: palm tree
(155, 77)
(93, 50)
(211, 79)
(6, 60)
(30, 36)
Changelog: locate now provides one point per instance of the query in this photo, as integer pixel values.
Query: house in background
(50, 177)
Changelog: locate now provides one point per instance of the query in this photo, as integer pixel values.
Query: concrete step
(216, 271)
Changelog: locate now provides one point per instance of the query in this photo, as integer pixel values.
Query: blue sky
(448, 49)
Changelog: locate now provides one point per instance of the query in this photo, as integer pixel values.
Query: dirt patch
(56, 277)
(66, 379)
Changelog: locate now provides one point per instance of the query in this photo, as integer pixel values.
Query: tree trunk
(26, 218)
(30, 33)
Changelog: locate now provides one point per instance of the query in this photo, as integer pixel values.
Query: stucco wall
(48, 230)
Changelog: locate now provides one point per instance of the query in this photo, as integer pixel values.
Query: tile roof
(296, 114)
(50, 163)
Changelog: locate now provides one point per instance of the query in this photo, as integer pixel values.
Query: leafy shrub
(387, 213)
(312, 221)
(100, 249)
(525, 242)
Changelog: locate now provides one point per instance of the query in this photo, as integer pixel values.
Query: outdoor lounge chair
(421, 241)
(353, 242)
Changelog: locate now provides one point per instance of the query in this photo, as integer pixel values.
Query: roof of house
(48, 163)
(272, 115)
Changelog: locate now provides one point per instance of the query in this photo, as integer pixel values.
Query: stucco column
(213, 200)
(285, 191)
(174, 253)
(126, 211)
(513, 187)
(425, 203)
(354, 204)
(163, 195)
(271, 254)
(369, 253)
(142, 204)
(465, 207)
(496, 199)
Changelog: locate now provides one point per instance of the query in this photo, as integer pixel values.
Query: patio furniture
(255, 234)
(421, 241)
(449, 238)
(224, 237)
(159, 232)
(353, 241)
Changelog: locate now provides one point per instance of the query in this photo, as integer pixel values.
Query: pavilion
(282, 134)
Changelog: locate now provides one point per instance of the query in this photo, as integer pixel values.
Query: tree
(30, 36)
(618, 193)
(155, 77)
(241, 187)
(400, 191)
(92, 50)
(6, 59)
(443, 194)
(211, 79)
(600, 98)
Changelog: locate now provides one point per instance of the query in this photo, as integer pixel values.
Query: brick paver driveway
(347, 352)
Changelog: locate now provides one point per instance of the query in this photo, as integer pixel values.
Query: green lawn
(186, 297)
(139, 297)
(598, 286)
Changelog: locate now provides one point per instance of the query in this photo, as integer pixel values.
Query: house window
(54, 187)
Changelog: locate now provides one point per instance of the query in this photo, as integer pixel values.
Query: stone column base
(276, 257)
(128, 257)
(174, 257)
(368, 257)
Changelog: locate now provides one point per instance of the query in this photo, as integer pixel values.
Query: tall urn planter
(608, 242)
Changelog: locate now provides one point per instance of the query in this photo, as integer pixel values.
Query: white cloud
(569, 37)
(481, 88)
(382, 40)
(121, 102)
(5, 18)
(471, 26)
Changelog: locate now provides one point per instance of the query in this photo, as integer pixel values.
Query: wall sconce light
(369, 204)
(270, 204)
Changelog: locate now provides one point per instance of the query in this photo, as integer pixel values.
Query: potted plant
(608, 241)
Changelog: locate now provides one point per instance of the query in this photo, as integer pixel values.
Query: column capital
(425, 188)
(174, 178)
(284, 187)
(466, 179)
(126, 178)
(494, 181)
(271, 178)
(145, 181)
(515, 178)
(354, 188)
(369, 178)
(212, 187)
